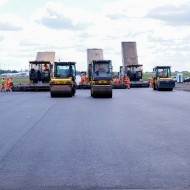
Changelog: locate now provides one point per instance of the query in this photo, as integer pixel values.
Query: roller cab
(63, 83)
(101, 79)
(162, 79)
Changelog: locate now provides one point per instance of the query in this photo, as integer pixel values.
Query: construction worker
(10, 84)
(128, 82)
(2, 84)
(123, 80)
(151, 82)
(46, 67)
(83, 79)
(116, 81)
(7, 85)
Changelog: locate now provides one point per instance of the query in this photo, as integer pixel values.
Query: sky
(161, 29)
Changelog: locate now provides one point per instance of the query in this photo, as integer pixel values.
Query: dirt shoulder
(182, 86)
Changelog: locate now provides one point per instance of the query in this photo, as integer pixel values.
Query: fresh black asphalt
(139, 139)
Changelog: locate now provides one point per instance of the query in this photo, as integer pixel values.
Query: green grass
(185, 74)
(21, 80)
(146, 76)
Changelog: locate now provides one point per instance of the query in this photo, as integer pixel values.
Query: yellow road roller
(162, 78)
(101, 78)
(63, 83)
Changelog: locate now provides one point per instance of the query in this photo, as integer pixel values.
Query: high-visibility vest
(3, 82)
(10, 82)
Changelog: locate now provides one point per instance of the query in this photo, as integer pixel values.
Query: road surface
(139, 139)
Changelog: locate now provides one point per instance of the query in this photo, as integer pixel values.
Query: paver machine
(162, 79)
(135, 73)
(63, 83)
(101, 78)
(40, 73)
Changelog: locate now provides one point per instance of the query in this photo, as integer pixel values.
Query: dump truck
(92, 54)
(162, 79)
(101, 79)
(131, 67)
(63, 83)
(40, 73)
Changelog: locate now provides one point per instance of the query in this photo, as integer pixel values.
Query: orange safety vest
(83, 79)
(151, 82)
(7, 84)
(123, 80)
(128, 81)
(10, 83)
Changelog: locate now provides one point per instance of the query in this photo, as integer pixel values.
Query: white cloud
(172, 14)
(10, 22)
(2, 2)
(58, 16)
(70, 31)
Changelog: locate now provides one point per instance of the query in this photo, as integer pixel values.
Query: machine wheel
(110, 95)
(102, 93)
(154, 87)
(73, 91)
(52, 95)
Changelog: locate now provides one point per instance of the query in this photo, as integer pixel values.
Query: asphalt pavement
(139, 139)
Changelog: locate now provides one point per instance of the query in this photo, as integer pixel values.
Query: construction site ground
(183, 86)
(139, 139)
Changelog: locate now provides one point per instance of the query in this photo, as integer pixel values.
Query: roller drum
(102, 91)
(61, 91)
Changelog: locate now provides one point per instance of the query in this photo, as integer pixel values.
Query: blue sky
(160, 28)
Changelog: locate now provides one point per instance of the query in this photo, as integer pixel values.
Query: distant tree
(8, 71)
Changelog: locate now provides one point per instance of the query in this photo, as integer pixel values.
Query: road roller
(162, 79)
(101, 78)
(63, 83)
